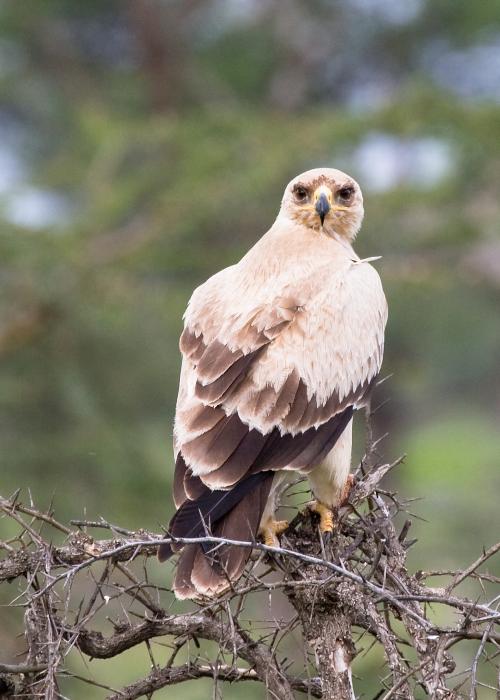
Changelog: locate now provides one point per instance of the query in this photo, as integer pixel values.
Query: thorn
(404, 530)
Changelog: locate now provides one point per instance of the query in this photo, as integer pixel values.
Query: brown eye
(300, 193)
(345, 194)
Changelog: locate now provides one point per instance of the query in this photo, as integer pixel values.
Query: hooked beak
(322, 206)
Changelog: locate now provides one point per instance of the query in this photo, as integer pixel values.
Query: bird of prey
(278, 351)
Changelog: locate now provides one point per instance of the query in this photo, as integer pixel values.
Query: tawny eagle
(278, 351)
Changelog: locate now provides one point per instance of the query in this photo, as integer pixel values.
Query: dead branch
(160, 678)
(353, 583)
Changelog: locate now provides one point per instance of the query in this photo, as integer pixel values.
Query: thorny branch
(345, 590)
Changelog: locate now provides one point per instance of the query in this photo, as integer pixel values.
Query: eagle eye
(345, 194)
(300, 193)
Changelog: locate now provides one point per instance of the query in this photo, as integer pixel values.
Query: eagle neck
(289, 246)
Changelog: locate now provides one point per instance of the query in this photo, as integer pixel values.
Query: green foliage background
(158, 137)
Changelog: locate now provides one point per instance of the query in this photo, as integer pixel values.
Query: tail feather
(194, 517)
(183, 586)
(210, 572)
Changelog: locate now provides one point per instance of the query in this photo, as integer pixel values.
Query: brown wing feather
(194, 487)
(216, 390)
(239, 463)
(203, 418)
(284, 398)
(191, 344)
(213, 448)
(179, 491)
(298, 407)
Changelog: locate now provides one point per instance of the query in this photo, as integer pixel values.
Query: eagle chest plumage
(278, 352)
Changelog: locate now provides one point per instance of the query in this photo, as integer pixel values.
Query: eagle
(278, 352)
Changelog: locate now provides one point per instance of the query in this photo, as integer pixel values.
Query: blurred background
(145, 144)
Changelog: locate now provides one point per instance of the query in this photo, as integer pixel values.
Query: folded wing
(265, 387)
(269, 386)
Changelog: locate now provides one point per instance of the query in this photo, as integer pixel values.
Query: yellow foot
(326, 519)
(270, 530)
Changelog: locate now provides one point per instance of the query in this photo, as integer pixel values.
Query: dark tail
(208, 569)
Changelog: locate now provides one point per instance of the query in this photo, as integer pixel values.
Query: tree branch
(355, 580)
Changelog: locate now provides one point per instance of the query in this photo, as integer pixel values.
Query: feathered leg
(331, 482)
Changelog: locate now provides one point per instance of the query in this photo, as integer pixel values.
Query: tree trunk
(327, 630)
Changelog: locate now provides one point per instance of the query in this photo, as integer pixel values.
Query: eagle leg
(270, 530)
(326, 516)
